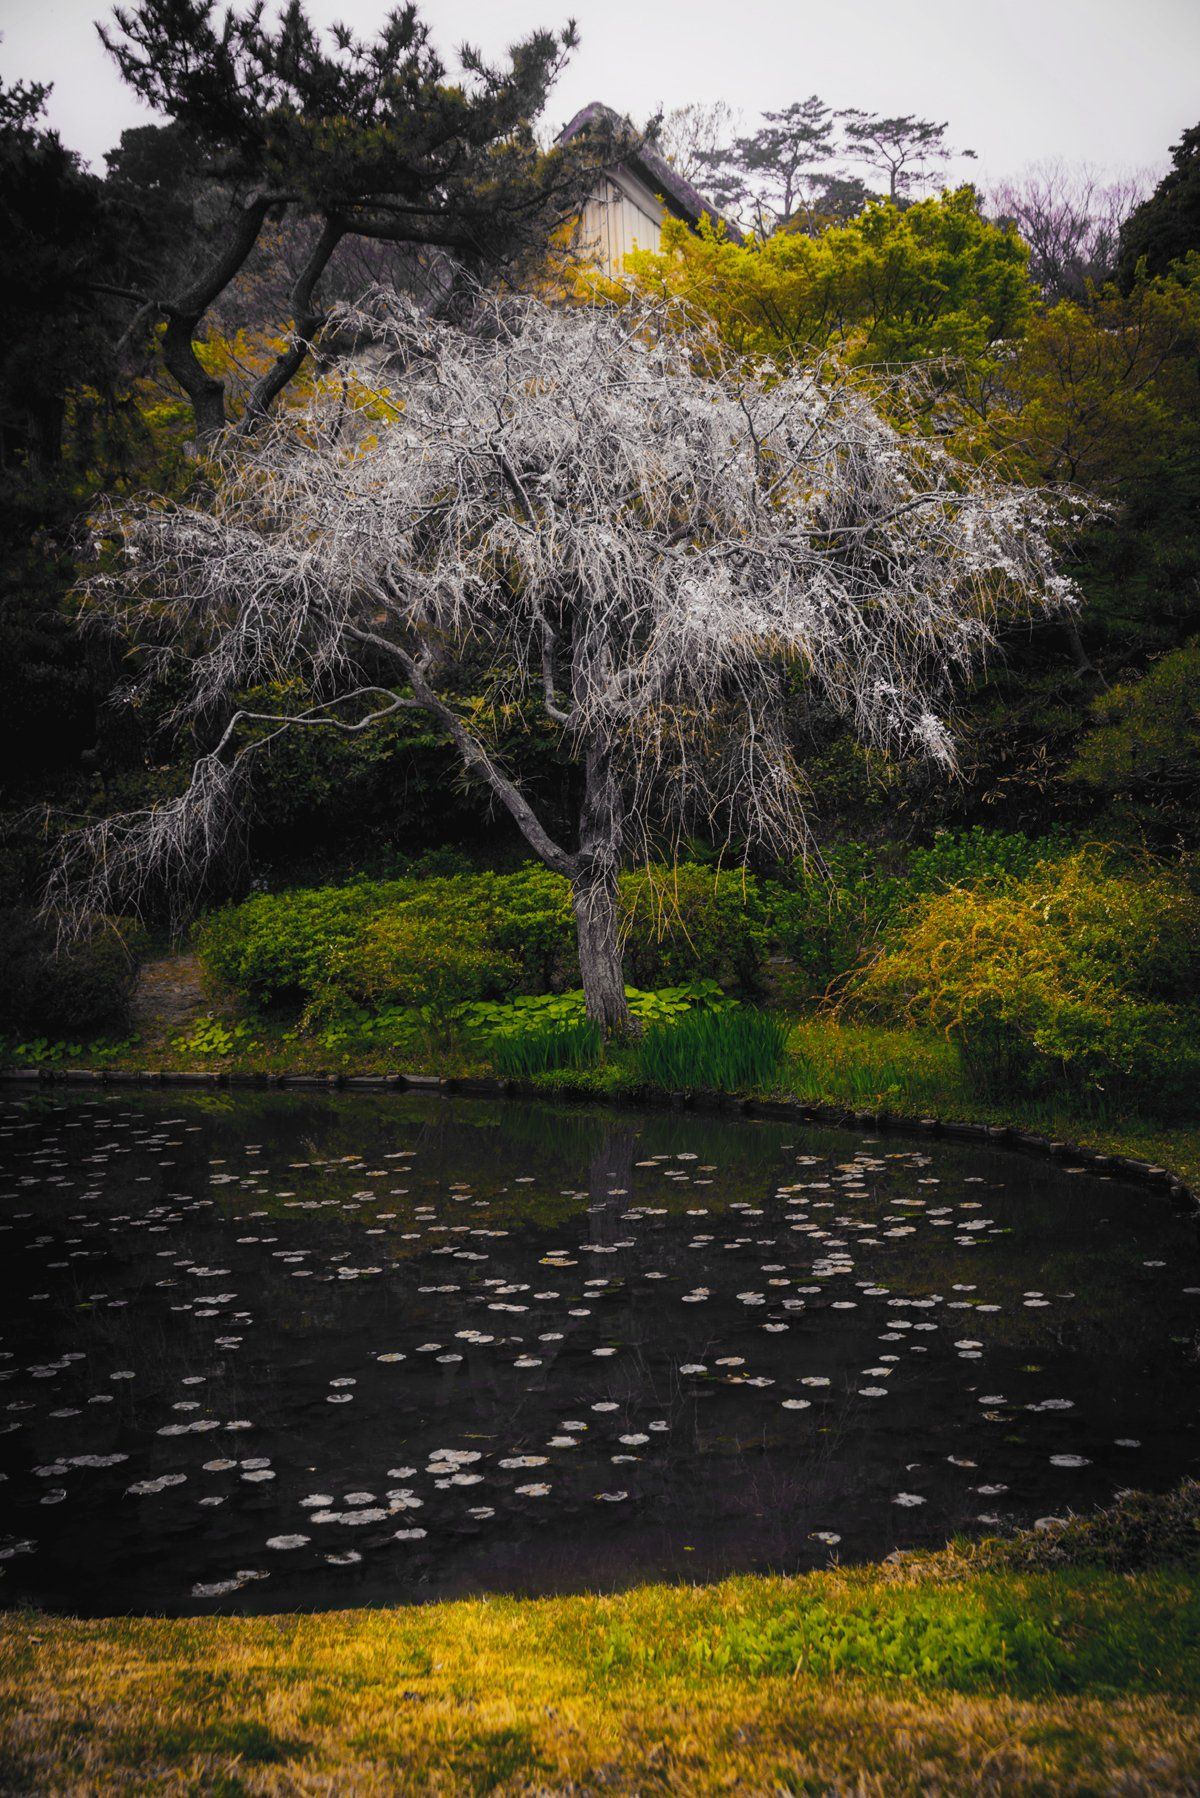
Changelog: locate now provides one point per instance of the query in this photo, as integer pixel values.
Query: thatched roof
(678, 196)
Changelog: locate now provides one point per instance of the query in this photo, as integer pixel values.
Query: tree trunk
(307, 320)
(205, 391)
(594, 892)
(185, 312)
(594, 896)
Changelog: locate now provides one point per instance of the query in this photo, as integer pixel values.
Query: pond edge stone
(1003, 1136)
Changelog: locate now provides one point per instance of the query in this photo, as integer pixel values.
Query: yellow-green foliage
(1103, 394)
(1144, 750)
(1069, 970)
(406, 958)
(934, 279)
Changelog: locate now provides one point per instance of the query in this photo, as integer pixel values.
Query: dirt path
(168, 997)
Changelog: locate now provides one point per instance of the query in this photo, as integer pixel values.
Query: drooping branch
(475, 756)
(651, 547)
(123, 862)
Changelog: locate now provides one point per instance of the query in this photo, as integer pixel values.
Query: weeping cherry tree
(671, 555)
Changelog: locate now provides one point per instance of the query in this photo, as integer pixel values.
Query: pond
(290, 1351)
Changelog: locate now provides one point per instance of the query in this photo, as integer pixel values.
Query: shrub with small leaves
(405, 958)
(681, 922)
(1065, 975)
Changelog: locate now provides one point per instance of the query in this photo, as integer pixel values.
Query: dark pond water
(276, 1352)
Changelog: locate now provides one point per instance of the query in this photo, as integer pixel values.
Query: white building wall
(622, 216)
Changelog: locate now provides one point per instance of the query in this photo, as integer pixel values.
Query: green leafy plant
(497, 1021)
(210, 1036)
(978, 858)
(42, 1051)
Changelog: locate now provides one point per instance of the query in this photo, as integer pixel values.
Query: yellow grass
(624, 1694)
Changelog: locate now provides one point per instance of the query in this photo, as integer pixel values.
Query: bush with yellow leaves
(1079, 973)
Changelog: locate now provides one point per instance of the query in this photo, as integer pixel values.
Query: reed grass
(540, 1048)
(720, 1051)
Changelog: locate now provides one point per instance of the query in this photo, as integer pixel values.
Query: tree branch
(475, 756)
(184, 313)
(307, 322)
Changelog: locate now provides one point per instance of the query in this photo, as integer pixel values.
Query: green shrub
(1063, 975)
(978, 857)
(277, 948)
(407, 957)
(288, 948)
(1143, 754)
(724, 1051)
(687, 921)
(822, 921)
(285, 948)
(70, 992)
(532, 921)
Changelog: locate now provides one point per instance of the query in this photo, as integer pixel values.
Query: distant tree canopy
(1166, 227)
(1102, 395)
(1071, 217)
(59, 232)
(934, 279)
(807, 166)
(1034, 357)
(366, 139)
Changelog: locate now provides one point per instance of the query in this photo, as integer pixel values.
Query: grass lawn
(965, 1671)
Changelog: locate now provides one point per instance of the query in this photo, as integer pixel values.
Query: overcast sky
(1112, 82)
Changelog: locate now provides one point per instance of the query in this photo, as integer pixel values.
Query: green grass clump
(720, 1051)
(994, 1633)
(863, 1064)
(573, 1043)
